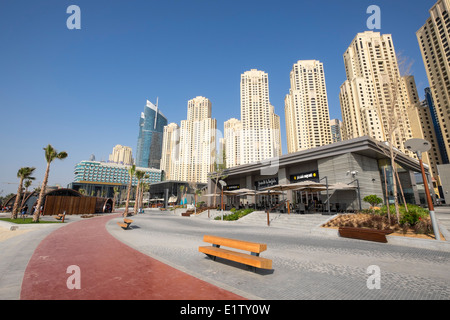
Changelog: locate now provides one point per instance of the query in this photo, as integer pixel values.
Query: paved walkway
(108, 269)
(158, 260)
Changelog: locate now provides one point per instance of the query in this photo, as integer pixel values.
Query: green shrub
(414, 214)
(373, 200)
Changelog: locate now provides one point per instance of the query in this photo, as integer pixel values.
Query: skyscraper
(232, 140)
(336, 130)
(197, 142)
(428, 103)
(170, 150)
(260, 125)
(434, 42)
(422, 125)
(373, 98)
(121, 155)
(151, 128)
(306, 107)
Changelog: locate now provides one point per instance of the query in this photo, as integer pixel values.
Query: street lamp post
(328, 196)
(222, 184)
(418, 146)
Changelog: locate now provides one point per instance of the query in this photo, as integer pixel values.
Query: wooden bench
(126, 223)
(60, 216)
(253, 259)
(364, 234)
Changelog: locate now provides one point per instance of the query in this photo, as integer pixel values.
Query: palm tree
(144, 188)
(131, 172)
(27, 184)
(139, 175)
(50, 155)
(116, 192)
(22, 174)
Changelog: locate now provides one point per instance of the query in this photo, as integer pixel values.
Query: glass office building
(151, 129)
(100, 178)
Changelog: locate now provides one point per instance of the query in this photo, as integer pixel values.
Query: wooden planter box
(364, 234)
(187, 213)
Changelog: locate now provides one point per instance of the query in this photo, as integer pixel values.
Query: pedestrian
(24, 210)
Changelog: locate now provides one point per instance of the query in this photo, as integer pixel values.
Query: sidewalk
(158, 260)
(108, 269)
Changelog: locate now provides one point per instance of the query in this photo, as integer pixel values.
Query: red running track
(109, 270)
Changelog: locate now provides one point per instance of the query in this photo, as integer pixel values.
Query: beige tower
(434, 42)
(121, 155)
(306, 107)
(170, 150)
(232, 142)
(422, 126)
(373, 98)
(259, 133)
(197, 142)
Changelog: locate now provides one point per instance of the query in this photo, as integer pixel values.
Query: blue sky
(83, 90)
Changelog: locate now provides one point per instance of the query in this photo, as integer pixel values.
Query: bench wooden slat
(237, 244)
(244, 258)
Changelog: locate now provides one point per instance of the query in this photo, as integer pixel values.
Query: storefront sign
(233, 187)
(266, 183)
(313, 176)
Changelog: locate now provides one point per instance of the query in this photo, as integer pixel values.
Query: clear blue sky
(83, 90)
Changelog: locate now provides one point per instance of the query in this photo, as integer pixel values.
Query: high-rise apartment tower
(306, 107)
(260, 125)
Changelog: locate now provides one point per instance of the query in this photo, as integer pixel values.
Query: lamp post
(222, 184)
(328, 196)
(354, 173)
(418, 146)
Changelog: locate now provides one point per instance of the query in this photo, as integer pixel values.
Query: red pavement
(109, 270)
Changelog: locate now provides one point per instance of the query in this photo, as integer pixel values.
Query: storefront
(359, 166)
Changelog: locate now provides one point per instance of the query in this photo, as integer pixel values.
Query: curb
(14, 226)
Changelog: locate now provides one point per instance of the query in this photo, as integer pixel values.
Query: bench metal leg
(211, 257)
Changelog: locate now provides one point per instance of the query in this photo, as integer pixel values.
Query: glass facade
(94, 171)
(149, 145)
(437, 127)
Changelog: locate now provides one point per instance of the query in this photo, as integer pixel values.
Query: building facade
(428, 103)
(260, 137)
(373, 98)
(336, 130)
(197, 143)
(232, 142)
(170, 150)
(151, 129)
(100, 178)
(434, 42)
(121, 155)
(422, 126)
(306, 107)
(359, 165)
